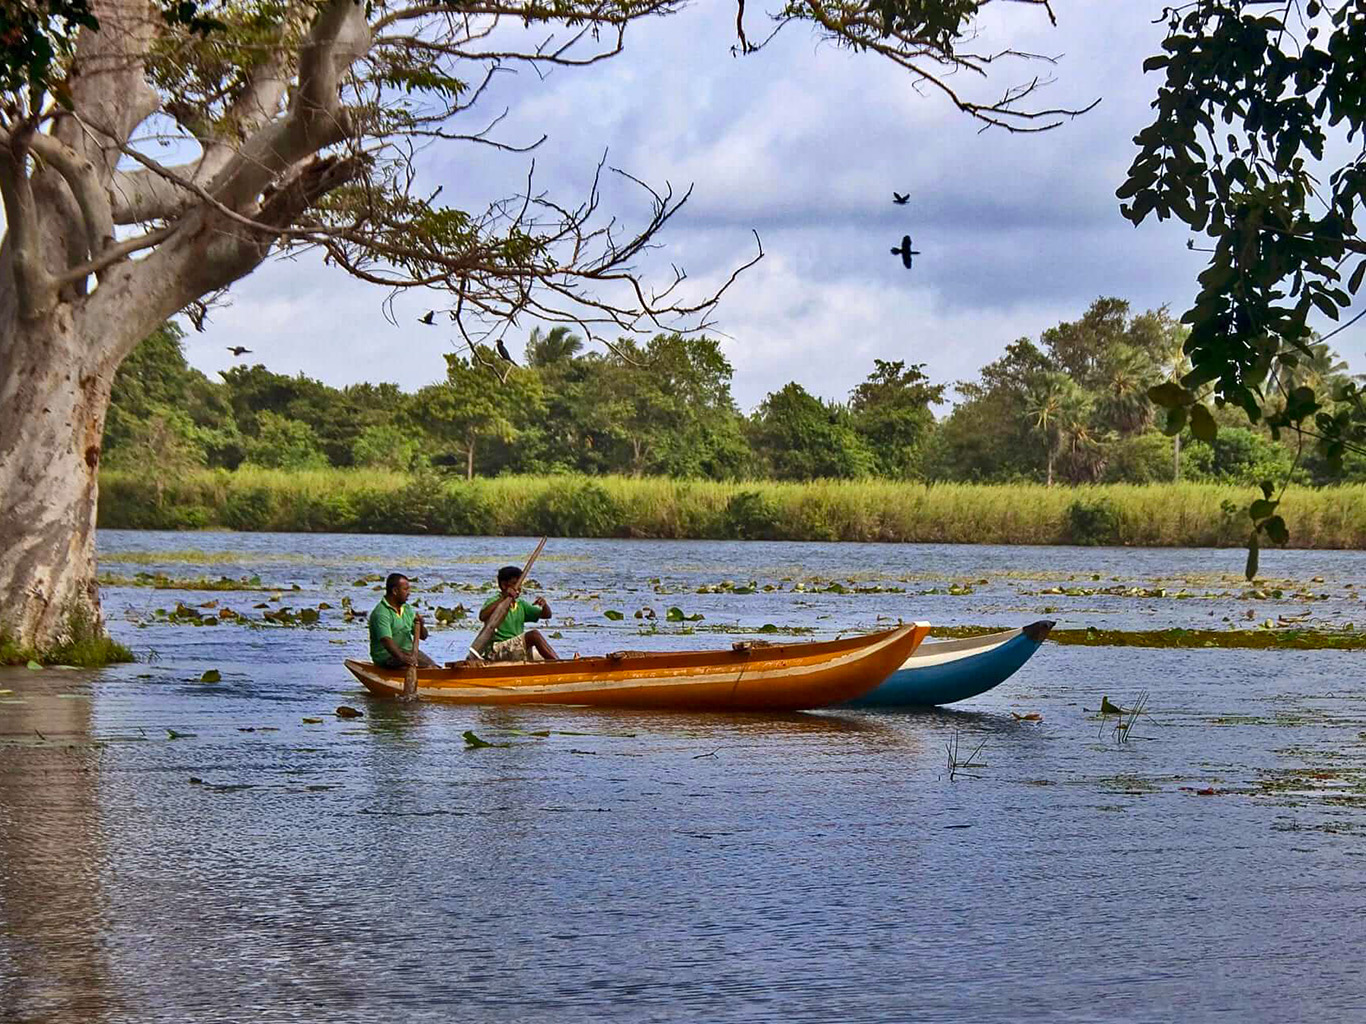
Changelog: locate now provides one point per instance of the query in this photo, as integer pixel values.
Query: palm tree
(1056, 406)
(557, 346)
(1124, 404)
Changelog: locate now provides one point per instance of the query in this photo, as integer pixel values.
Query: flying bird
(428, 318)
(238, 350)
(899, 199)
(905, 251)
(503, 351)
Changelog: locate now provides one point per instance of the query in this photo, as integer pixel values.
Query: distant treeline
(1071, 408)
(382, 501)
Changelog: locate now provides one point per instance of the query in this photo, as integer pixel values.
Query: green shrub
(575, 509)
(413, 508)
(462, 511)
(332, 513)
(752, 515)
(192, 517)
(1093, 522)
(251, 508)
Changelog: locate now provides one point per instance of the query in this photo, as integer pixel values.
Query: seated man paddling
(510, 642)
(391, 628)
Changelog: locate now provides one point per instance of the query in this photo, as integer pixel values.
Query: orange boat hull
(777, 677)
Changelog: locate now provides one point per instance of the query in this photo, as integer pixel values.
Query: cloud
(804, 143)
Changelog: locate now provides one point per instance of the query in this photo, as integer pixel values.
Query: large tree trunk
(52, 406)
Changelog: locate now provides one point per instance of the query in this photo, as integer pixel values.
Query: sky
(804, 143)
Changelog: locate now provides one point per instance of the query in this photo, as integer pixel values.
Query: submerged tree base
(84, 644)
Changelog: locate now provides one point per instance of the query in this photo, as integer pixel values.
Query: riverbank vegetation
(1071, 408)
(386, 501)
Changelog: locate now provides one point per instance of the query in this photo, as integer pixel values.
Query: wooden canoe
(747, 677)
(945, 671)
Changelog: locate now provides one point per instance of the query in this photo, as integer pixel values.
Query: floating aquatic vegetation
(211, 676)
(613, 614)
(160, 581)
(676, 614)
(1255, 639)
(346, 711)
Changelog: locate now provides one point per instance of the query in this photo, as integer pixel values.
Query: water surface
(176, 850)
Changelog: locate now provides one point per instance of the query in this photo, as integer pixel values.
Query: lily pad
(211, 676)
(614, 615)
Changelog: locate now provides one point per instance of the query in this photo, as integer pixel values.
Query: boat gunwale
(491, 673)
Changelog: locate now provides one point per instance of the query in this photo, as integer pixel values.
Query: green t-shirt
(384, 621)
(522, 612)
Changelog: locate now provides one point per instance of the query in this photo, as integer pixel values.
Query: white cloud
(803, 142)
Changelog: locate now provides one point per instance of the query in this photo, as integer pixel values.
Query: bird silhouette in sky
(899, 199)
(503, 351)
(905, 251)
(238, 350)
(431, 313)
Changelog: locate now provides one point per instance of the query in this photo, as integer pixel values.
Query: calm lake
(176, 850)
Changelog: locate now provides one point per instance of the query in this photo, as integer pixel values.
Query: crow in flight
(899, 199)
(905, 251)
(238, 350)
(428, 318)
(502, 351)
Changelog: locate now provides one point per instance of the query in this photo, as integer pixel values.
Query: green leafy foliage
(1250, 144)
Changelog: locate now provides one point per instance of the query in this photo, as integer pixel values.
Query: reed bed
(364, 501)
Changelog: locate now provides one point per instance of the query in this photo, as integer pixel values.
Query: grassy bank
(376, 502)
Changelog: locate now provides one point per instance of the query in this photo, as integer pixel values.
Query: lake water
(642, 867)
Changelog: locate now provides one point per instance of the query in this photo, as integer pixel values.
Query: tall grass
(1187, 514)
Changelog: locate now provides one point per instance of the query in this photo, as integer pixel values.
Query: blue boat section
(973, 674)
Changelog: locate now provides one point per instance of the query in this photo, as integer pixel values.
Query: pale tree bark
(63, 340)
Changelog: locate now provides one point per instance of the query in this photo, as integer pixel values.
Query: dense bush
(1092, 522)
(752, 515)
(575, 509)
(251, 508)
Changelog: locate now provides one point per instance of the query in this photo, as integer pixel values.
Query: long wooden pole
(500, 609)
(410, 677)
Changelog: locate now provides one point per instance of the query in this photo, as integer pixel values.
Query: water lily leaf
(313, 721)
(1109, 708)
(614, 615)
(473, 742)
(675, 614)
(308, 615)
(34, 666)
(211, 676)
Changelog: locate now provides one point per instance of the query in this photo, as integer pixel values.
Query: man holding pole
(393, 626)
(511, 640)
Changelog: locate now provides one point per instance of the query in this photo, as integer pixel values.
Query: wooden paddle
(500, 609)
(410, 677)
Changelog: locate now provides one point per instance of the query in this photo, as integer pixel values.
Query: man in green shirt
(511, 640)
(391, 628)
